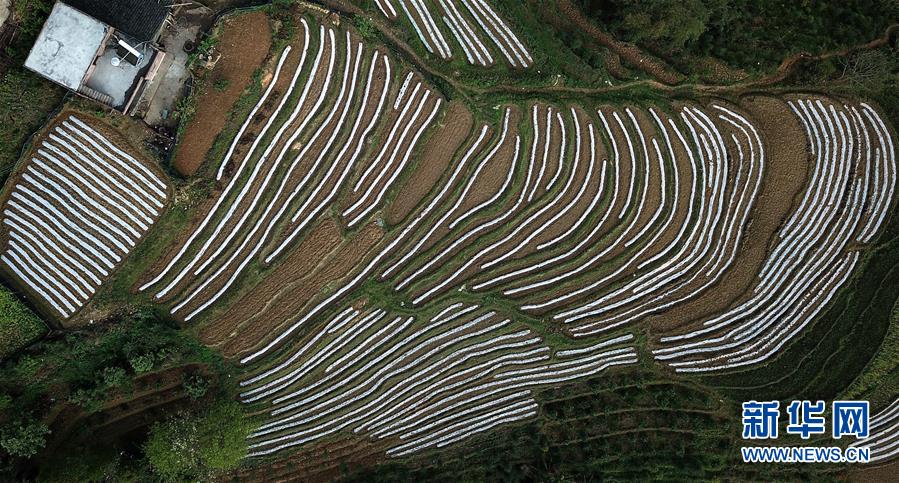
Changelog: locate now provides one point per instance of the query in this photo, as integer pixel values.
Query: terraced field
(407, 266)
(884, 438)
(471, 25)
(408, 299)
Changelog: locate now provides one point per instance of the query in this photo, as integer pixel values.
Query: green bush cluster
(24, 438)
(755, 35)
(19, 326)
(88, 365)
(198, 444)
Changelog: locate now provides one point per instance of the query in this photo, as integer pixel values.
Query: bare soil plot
(435, 158)
(316, 248)
(342, 263)
(240, 58)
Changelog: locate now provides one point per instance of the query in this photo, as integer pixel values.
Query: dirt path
(632, 54)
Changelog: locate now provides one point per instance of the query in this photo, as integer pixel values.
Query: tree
(24, 438)
(201, 444)
(672, 23)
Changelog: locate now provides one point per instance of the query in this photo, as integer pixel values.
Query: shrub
(221, 84)
(366, 28)
(24, 438)
(195, 386)
(198, 445)
(18, 325)
(141, 363)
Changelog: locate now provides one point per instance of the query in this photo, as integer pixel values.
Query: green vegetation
(19, 326)
(26, 98)
(221, 84)
(879, 382)
(624, 427)
(198, 444)
(24, 438)
(755, 35)
(80, 373)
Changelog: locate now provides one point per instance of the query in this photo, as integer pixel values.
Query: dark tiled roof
(140, 19)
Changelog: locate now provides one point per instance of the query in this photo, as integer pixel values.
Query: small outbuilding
(105, 50)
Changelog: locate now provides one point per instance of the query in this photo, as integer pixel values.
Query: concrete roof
(66, 46)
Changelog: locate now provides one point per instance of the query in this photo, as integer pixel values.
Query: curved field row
(601, 219)
(845, 202)
(883, 436)
(471, 23)
(416, 384)
(75, 212)
(334, 100)
(344, 254)
(627, 205)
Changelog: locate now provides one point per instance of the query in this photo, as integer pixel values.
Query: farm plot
(412, 383)
(598, 246)
(845, 202)
(595, 234)
(471, 24)
(74, 213)
(883, 435)
(334, 99)
(344, 256)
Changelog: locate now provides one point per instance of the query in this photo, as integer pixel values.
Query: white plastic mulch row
(278, 188)
(883, 436)
(708, 252)
(468, 21)
(428, 384)
(75, 213)
(850, 185)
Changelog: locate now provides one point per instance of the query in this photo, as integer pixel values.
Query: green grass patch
(19, 326)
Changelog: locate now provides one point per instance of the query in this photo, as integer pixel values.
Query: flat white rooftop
(66, 46)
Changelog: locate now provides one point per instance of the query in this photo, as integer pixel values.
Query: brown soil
(784, 179)
(624, 164)
(561, 225)
(292, 293)
(404, 145)
(621, 254)
(569, 197)
(321, 461)
(555, 149)
(305, 111)
(721, 231)
(494, 173)
(872, 473)
(435, 157)
(239, 60)
(488, 183)
(271, 103)
(339, 165)
(603, 151)
(316, 247)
